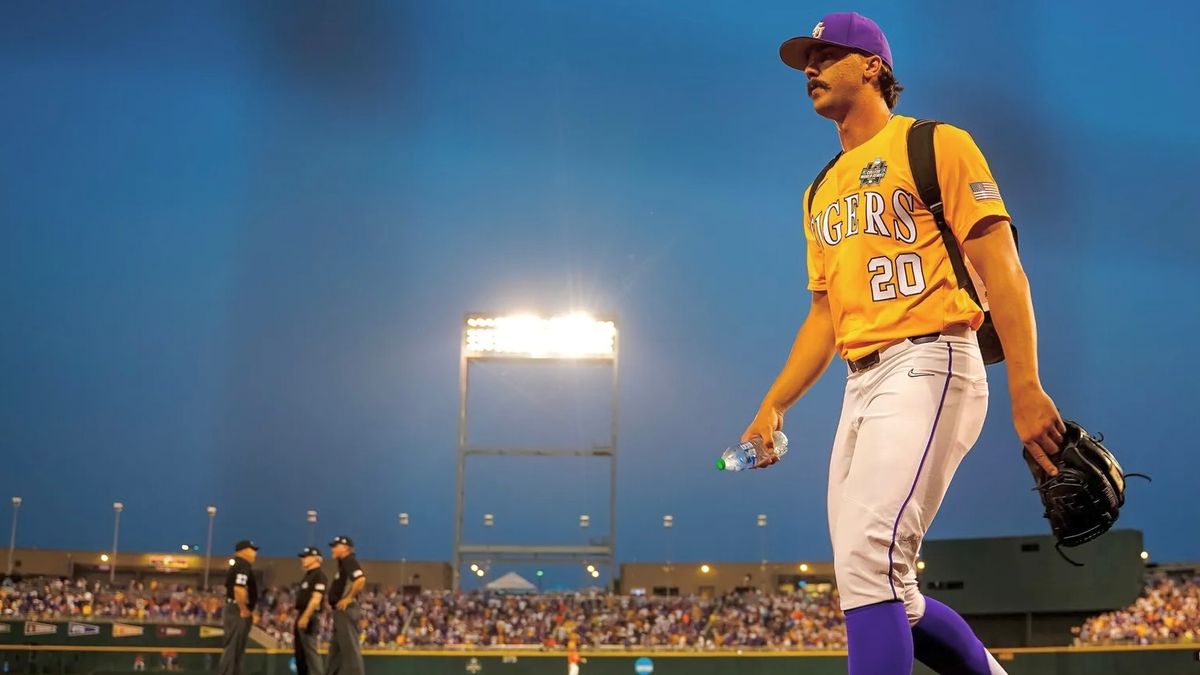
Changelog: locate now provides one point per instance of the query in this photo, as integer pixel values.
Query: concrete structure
(188, 568)
(708, 578)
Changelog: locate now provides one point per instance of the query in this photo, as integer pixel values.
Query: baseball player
(573, 657)
(885, 298)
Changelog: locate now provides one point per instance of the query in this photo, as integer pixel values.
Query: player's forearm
(995, 256)
(1012, 312)
(811, 353)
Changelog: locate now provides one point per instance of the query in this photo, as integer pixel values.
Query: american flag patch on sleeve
(982, 191)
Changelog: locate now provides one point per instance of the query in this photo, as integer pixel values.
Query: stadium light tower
(311, 517)
(403, 527)
(573, 338)
(118, 507)
(12, 534)
(212, 514)
(668, 523)
(761, 521)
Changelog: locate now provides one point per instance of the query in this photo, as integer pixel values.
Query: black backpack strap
(922, 160)
(812, 190)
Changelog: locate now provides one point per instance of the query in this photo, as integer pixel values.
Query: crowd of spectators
(45, 598)
(441, 619)
(1167, 611)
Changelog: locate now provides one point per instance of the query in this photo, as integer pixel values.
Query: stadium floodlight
(118, 507)
(12, 534)
(212, 514)
(545, 340)
(572, 336)
(310, 516)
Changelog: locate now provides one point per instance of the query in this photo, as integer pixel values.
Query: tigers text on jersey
(875, 248)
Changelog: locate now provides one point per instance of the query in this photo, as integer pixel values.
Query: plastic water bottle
(745, 455)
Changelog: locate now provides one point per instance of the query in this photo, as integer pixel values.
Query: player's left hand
(768, 420)
(1038, 425)
(343, 603)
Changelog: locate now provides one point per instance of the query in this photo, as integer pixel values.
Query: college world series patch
(982, 191)
(873, 172)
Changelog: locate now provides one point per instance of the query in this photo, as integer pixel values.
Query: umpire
(308, 608)
(241, 594)
(345, 654)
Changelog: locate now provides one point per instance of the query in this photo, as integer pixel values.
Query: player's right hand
(764, 425)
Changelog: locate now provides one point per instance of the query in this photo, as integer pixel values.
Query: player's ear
(872, 67)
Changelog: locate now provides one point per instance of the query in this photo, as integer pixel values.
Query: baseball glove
(1084, 500)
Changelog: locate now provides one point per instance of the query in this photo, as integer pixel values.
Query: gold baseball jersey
(875, 248)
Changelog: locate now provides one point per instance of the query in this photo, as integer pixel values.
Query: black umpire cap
(309, 550)
(245, 543)
(342, 539)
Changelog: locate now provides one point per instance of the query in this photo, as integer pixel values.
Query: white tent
(512, 583)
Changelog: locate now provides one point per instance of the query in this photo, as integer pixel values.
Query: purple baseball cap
(844, 29)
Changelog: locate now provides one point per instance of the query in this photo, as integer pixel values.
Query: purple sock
(943, 641)
(880, 641)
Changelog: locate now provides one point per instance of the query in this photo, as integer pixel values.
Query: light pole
(762, 529)
(584, 522)
(488, 521)
(118, 507)
(403, 526)
(12, 537)
(212, 515)
(311, 516)
(668, 525)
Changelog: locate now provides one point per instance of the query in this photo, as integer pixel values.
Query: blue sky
(239, 243)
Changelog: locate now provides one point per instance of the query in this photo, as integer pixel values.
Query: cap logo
(818, 29)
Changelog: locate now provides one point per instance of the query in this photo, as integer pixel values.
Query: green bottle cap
(720, 464)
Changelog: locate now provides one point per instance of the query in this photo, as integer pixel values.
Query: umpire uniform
(237, 627)
(311, 592)
(345, 652)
